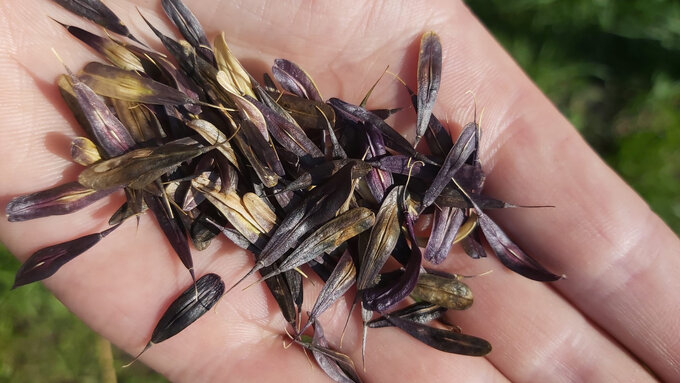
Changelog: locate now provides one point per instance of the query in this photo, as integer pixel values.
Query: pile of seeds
(301, 182)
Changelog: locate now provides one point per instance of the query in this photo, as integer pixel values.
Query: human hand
(621, 292)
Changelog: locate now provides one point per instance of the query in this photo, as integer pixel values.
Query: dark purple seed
(45, 262)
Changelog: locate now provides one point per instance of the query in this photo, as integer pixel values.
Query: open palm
(613, 319)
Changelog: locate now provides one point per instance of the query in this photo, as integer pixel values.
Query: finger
(620, 259)
(536, 334)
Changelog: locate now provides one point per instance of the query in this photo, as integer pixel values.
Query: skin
(613, 319)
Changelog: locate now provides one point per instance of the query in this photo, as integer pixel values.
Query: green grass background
(611, 67)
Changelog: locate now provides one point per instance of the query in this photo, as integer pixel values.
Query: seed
(280, 185)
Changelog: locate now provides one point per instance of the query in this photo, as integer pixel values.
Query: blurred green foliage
(43, 342)
(611, 67)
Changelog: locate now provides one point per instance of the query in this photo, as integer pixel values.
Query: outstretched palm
(616, 312)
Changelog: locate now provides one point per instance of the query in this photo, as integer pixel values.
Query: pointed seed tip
(249, 273)
(148, 345)
(255, 283)
(133, 38)
(58, 22)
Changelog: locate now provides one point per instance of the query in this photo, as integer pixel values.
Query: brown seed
(443, 291)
